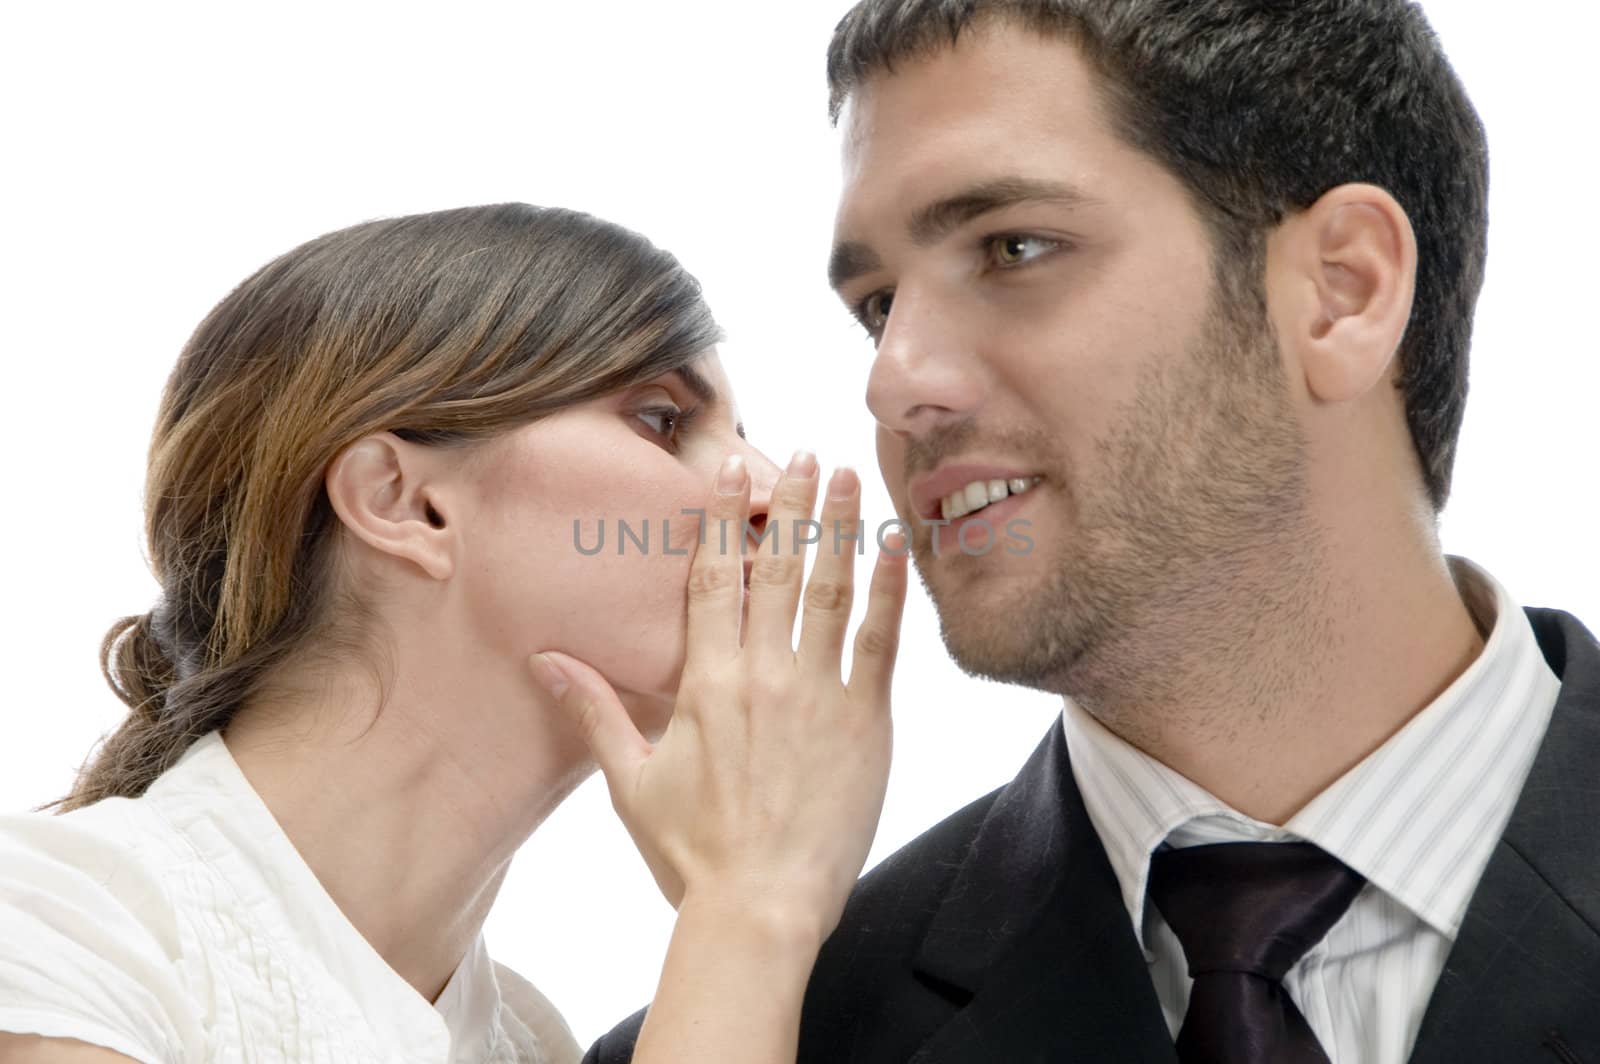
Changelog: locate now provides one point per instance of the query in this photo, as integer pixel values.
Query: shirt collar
(470, 1006)
(206, 796)
(1418, 817)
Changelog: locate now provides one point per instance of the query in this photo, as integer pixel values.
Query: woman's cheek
(635, 629)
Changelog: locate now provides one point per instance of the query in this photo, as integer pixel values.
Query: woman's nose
(763, 478)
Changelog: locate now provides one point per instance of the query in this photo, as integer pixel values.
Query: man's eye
(1015, 250)
(873, 311)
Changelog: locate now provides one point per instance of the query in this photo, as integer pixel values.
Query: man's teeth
(981, 493)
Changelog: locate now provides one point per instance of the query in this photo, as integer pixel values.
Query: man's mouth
(980, 494)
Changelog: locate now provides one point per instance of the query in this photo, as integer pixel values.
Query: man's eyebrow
(934, 222)
(696, 382)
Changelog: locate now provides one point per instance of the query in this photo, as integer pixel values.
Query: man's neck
(1282, 699)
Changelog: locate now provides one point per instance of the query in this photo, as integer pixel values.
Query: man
(1195, 280)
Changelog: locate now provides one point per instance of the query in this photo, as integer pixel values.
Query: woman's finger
(716, 572)
(878, 638)
(831, 588)
(593, 707)
(780, 563)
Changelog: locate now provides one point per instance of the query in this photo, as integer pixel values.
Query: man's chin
(1028, 640)
(1006, 651)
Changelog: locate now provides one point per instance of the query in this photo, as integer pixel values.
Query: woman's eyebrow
(697, 383)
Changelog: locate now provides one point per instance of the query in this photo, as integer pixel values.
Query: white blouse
(183, 927)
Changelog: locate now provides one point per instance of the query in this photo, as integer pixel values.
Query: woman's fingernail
(803, 464)
(842, 484)
(730, 478)
(549, 675)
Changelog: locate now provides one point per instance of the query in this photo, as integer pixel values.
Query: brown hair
(442, 328)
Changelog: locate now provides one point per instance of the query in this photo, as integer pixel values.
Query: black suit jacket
(1000, 937)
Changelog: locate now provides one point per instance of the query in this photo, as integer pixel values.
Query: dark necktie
(1245, 913)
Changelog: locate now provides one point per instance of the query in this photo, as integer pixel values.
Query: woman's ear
(386, 492)
(1343, 274)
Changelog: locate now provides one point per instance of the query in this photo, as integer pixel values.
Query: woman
(374, 488)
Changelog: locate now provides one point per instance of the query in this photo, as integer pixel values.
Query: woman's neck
(408, 815)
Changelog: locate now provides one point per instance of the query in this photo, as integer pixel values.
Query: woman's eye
(1014, 250)
(874, 311)
(663, 421)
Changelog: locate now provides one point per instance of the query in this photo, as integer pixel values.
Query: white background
(155, 154)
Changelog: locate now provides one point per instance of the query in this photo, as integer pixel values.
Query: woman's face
(576, 537)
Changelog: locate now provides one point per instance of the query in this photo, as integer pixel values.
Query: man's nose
(925, 373)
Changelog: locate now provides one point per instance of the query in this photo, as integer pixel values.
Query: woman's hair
(441, 328)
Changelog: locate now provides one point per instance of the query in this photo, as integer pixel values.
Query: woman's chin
(649, 712)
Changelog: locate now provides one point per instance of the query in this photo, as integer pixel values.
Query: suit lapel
(1034, 937)
(1523, 979)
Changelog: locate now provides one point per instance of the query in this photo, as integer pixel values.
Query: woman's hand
(759, 803)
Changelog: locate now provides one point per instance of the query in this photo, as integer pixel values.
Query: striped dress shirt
(1418, 817)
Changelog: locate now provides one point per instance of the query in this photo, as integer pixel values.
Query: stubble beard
(1189, 537)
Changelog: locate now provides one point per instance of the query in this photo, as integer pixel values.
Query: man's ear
(385, 491)
(1341, 279)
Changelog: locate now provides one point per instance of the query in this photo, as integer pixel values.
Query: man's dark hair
(1260, 107)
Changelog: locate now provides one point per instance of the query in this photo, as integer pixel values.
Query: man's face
(1042, 301)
